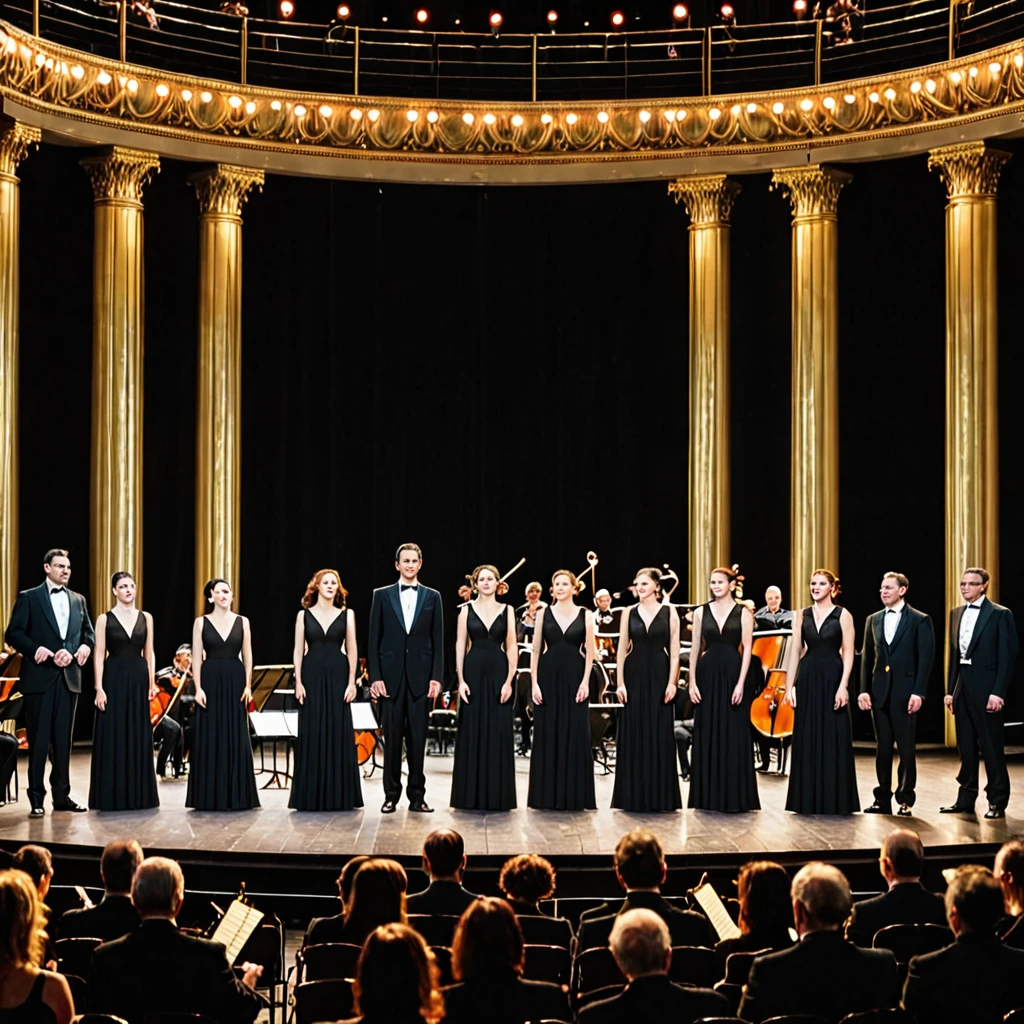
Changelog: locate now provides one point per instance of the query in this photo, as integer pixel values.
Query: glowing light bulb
(468, 117)
(806, 105)
(299, 110)
(778, 107)
(162, 90)
(412, 115)
(714, 113)
(995, 67)
(546, 119)
(571, 118)
(828, 103)
(517, 120)
(432, 116)
(77, 72)
(735, 110)
(873, 97)
(850, 98)
(680, 115)
(356, 114)
(890, 93)
(489, 119)
(915, 87)
(930, 85)
(645, 116)
(956, 77)
(206, 97)
(751, 108)
(250, 107)
(326, 111)
(602, 116)
(275, 104)
(670, 116)
(373, 115)
(973, 72)
(1018, 60)
(186, 95)
(234, 102)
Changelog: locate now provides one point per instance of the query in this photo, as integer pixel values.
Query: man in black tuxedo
(444, 860)
(982, 649)
(197, 977)
(899, 648)
(822, 974)
(115, 915)
(51, 629)
(907, 901)
(406, 661)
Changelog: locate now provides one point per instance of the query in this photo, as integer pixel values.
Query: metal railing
(682, 61)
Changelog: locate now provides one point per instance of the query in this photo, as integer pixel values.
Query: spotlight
(618, 19)
(552, 17)
(344, 12)
(495, 20)
(680, 13)
(727, 13)
(422, 16)
(286, 8)
(800, 8)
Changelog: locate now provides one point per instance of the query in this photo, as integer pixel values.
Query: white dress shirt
(61, 608)
(408, 599)
(968, 620)
(891, 620)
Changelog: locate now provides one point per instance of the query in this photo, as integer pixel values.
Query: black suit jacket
(687, 927)
(906, 903)
(504, 999)
(992, 652)
(901, 668)
(33, 625)
(656, 1000)
(111, 918)
(417, 655)
(973, 981)
(157, 969)
(440, 898)
(822, 974)
(330, 929)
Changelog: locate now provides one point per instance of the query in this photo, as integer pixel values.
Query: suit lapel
(984, 614)
(74, 616)
(396, 603)
(880, 630)
(904, 625)
(44, 600)
(421, 596)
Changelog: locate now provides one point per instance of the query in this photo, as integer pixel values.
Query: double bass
(770, 715)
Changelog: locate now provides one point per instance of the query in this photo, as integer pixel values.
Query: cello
(770, 715)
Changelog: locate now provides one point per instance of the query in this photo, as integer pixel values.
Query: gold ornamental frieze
(968, 168)
(72, 84)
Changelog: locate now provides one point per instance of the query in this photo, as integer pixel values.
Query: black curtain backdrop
(495, 373)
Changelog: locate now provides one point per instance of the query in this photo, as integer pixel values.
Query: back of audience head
(37, 863)
(158, 888)
(821, 898)
(974, 901)
(640, 943)
(763, 889)
(902, 856)
(22, 938)
(348, 876)
(640, 860)
(527, 878)
(444, 855)
(488, 941)
(118, 864)
(397, 977)
(378, 897)
(1009, 871)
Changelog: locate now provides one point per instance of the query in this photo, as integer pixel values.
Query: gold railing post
(970, 171)
(818, 32)
(35, 18)
(15, 140)
(705, 64)
(244, 46)
(533, 72)
(355, 65)
(813, 192)
(708, 200)
(221, 191)
(122, 37)
(118, 320)
(952, 29)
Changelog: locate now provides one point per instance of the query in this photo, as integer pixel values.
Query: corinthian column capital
(708, 198)
(812, 191)
(968, 168)
(223, 189)
(15, 140)
(119, 174)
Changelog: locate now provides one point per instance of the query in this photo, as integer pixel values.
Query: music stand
(277, 727)
(364, 720)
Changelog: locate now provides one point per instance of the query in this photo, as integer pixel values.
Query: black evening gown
(221, 776)
(562, 762)
(326, 763)
(122, 776)
(646, 778)
(722, 776)
(484, 776)
(823, 779)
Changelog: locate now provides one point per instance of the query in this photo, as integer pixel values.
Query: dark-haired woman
(221, 777)
(325, 654)
(484, 774)
(722, 776)
(122, 776)
(646, 669)
(766, 914)
(823, 779)
(377, 897)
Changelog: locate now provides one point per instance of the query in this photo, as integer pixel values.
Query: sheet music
(84, 897)
(710, 903)
(235, 928)
(362, 716)
(275, 724)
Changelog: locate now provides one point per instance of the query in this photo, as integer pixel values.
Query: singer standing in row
(325, 657)
(122, 776)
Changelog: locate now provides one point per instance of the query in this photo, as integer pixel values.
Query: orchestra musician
(526, 618)
(773, 615)
(174, 730)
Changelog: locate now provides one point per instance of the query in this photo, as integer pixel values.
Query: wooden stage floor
(276, 831)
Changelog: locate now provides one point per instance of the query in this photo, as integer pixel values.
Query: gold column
(15, 140)
(970, 172)
(118, 176)
(708, 200)
(813, 192)
(221, 191)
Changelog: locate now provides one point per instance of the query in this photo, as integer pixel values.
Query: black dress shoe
(905, 811)
(388, 807)
(956, 809)
(70, 806)
(36, 812)
(421, 806)
(877, 808)
(995, 812)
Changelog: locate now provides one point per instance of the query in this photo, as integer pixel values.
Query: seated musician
(8, 741)
(773, 615)
(172, 731)
(526, 614)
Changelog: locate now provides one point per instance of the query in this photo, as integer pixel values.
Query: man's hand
(42, 653)
(82, 654)
(251, 973)
(948, 701)
(994, 703)
(378, 689)
(914, 704)
(62, 658)
(434, 690)
(864, 702)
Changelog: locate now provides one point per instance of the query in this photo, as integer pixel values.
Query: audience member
(640, 868)
(487, 961)
(642, 947)
(28, 995)
(377, 898)
(444, 860)
(196, 976)
(766, 913)
(1009, 873)
(37, 863)
(907, 901)
(325, 926)
(822, 974)
(115, 915)
(396, 979)
(977, 979)
(526, 880)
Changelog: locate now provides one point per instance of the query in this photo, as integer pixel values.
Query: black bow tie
(973, 608)
(890, 611)
(57, 590)
(407, 586)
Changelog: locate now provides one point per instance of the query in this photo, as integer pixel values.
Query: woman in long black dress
(122, 775)
(823, 779)
(722, 776)
(326, 765)
(221, 776)
(562, 762)
(484, 776)
(646, 671)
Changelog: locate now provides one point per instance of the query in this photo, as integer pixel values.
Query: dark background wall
(501, 372)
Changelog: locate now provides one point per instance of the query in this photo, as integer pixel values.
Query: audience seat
(796, 1018)
(74, 956)
(694, 965)
(892, 1015)
(328, 960)
(176, 1018)
(548, 963)
(443, 956)
(266, 946)
(99, 1018)
(595, 968)
(597, 995)
(436, 929)
(734, 993)
(720, 1020)
(79, 990)
(910, 940)
(737, 966)
(544, 931)
(325, 1000)
(1014, 1017)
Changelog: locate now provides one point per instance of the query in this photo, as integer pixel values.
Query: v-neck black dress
(122, 777)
